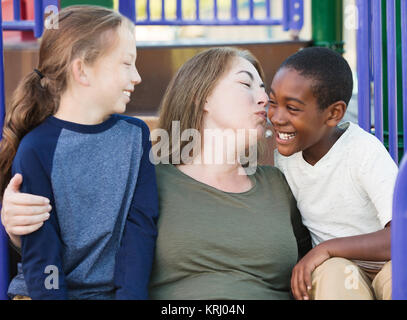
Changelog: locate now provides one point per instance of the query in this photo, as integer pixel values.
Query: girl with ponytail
(63, 134)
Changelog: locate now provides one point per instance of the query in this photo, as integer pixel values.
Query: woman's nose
(262, 98)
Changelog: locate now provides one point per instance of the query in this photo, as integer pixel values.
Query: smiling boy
(341, 176)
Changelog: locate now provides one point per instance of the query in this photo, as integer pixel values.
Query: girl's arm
(42, 249)
(135, 257)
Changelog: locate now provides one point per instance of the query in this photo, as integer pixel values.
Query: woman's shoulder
(269, 172)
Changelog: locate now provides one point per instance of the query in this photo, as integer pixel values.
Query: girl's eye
(246, 84)
(127, 64)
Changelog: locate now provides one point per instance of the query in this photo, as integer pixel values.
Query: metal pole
(404, 68)
(392, 78)
(327, 24)
(377, 68)
(4, 255)
(399, 235)
(363, 65)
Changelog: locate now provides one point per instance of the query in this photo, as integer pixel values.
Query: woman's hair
(87, 32)
(188, 90)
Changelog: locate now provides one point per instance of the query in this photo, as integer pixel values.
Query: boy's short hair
(331, 72)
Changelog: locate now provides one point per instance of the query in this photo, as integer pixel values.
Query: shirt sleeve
(41, 250)
(376, 174)
(135, 257)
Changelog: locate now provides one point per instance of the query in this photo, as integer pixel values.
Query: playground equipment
(379, 65)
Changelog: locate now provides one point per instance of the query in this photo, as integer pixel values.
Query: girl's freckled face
(115, 74)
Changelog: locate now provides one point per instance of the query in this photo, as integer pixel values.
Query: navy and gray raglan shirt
(100, 237)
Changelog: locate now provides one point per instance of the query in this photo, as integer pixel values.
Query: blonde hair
(188, 90)
(87, 32)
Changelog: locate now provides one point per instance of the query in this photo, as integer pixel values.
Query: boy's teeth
(286, 136)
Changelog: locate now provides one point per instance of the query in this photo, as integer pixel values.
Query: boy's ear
(335, 113)
(79, 73)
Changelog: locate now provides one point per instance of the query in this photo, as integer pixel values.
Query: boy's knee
(333, 266)
(339, 278)
(382, 283)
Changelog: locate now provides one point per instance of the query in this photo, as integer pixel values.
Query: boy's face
(298, 123)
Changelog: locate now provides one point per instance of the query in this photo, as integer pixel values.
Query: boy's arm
(135, 257)
(376, 177)
(42, 249)
(373, 246)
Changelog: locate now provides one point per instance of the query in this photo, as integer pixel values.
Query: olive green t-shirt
(218, 245)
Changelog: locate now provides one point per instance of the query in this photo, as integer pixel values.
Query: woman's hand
(22, 213)
(301, 282)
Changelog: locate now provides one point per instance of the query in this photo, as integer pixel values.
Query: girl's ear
(335, 113)
(79, 72)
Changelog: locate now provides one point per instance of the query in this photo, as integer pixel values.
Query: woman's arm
(22, 213)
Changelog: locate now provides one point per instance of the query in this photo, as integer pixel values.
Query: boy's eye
(271, 101)
(291, 108)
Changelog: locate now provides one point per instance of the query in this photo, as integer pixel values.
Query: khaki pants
(342, 279)
(21, 298)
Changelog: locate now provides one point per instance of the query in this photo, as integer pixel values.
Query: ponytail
(32, 102)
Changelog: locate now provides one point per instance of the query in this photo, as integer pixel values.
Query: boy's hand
(301, 282)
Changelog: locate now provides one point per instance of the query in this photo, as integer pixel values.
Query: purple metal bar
(148, 11)
(22, 25)
(179, 10)
(296, 14)
(128, 9)
(363, 65)
(392, 77)
(4, 256)
(399, 235)
(233, 10)
(251, 9)
(17, 9)
(268, 8)
(197, 11)
(162, 9)
(38, 18)
(292, 16)
(404, 67)
(286, 15)
(270, 22)
(377, 68)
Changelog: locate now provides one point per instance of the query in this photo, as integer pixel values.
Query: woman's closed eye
(246, 84)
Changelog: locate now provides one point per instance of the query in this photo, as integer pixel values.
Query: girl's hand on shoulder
(22, 213)
(301, 281)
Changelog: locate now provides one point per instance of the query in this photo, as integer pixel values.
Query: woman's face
(238, 101)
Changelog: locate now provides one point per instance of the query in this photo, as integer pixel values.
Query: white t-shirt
(349, 191)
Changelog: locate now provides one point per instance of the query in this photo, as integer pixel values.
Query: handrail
(292, 18)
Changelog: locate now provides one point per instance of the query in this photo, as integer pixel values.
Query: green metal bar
(327, 24)
(399, 79)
